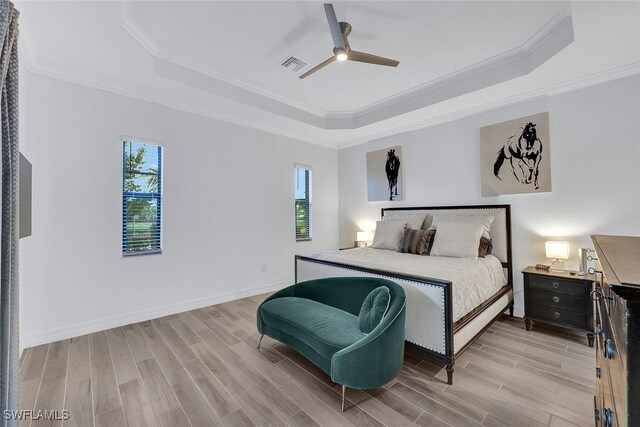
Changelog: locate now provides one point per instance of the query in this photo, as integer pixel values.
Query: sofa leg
(344, 389)
(449, 374)
(259, 342)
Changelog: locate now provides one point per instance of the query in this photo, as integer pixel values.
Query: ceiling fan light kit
(342, 50)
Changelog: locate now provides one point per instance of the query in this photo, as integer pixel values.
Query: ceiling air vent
(294, 64)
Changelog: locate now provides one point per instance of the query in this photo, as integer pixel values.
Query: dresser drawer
(557, 285)
(558, 315)
(557, 299)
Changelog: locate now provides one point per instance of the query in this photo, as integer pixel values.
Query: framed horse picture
(514, 156)
(384, 175)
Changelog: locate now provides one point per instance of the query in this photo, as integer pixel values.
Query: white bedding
(473, 281)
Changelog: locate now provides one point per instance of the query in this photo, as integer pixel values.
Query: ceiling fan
(342, 50)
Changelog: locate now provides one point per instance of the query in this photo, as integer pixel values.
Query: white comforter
(473, 281)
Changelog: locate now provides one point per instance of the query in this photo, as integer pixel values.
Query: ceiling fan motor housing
(345, 28)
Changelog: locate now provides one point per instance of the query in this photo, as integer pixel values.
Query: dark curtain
(9, 221)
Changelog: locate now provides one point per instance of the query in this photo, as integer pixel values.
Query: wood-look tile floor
(202, 368)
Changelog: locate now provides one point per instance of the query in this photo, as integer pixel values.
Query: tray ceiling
(223, 58)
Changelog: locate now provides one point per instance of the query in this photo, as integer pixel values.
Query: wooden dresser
(617, 327)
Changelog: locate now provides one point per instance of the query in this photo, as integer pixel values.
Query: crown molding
(138, 33)
(568, 86)
(547, 42)
(557, 26)
(170, 103)
(550, 39)
(131, 26)
(560, 22)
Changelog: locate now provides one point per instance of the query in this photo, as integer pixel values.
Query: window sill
(304, 240)
(133, 254)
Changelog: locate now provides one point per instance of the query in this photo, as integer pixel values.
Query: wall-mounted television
(24, 196)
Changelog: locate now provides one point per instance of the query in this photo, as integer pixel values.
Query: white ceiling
(222, 59)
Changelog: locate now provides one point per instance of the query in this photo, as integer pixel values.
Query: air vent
(294, 64)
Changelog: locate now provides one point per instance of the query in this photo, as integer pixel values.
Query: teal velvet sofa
(320, 320)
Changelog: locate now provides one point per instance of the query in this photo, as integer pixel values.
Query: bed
(450, 301)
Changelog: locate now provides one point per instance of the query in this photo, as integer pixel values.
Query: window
(303, 203)
(141, 198)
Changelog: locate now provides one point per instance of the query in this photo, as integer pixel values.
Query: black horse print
(392, 167)
(524, 154)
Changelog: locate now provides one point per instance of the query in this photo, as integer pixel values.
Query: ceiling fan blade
(371, 59)
(334, 26)
(318, 67)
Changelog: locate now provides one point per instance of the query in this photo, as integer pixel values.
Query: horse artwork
(392, 167)
(515, 156)
(384, 175)
(524, 155)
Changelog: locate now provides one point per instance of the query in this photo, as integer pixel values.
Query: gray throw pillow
(415, 241)
(374, 307)
(485, 248)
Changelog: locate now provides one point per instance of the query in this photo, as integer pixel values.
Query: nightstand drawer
(557, 285)
(557, 315)
(557, 299)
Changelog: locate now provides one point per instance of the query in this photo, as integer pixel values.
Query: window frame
(308, 200)
(157, 196)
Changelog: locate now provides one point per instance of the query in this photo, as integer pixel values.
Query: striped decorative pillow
(415, 241)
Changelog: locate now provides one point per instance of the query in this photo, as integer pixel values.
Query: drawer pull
(598, 372)
(556, 315)
(607, 417)
(556, 299)
(555, 285)
(607, 349)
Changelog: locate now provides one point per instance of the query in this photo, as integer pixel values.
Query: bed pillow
(374, 307)
(427, 221)
(415, 242)
(485, 220)
(412, 220)
(457, 239)
(388, 234)
(485, 247)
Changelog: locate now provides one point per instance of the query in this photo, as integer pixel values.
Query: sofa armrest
(375, 359)
(284, 292)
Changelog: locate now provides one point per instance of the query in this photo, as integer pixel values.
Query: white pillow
(413, 220)
(457, 239)
(388, 234)
(485, 220)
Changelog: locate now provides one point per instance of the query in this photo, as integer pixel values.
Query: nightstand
(558, 298)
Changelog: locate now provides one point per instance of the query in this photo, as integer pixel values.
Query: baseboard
(78, 329)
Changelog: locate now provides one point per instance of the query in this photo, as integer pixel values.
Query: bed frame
(442, 339)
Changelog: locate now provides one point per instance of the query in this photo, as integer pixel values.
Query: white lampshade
(557, 250)
(364, 236)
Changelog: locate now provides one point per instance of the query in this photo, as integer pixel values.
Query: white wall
(595, 172)
(228, 209)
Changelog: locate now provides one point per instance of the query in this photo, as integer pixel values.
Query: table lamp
(556, 251)
(363, 239)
